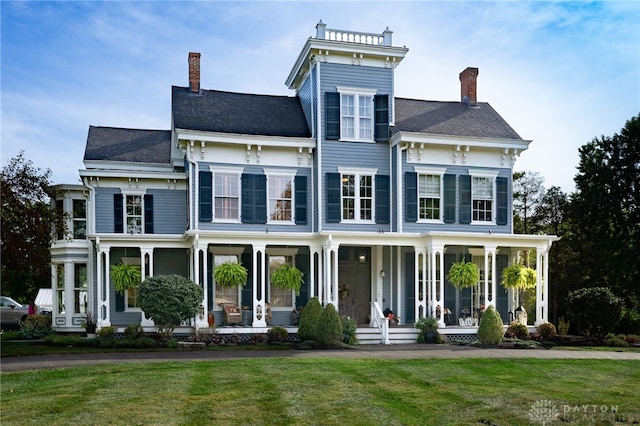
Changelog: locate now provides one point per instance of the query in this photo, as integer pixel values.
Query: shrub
(330, 327)
(309, 320)
(617, 341)
(519, 331)
(563, 326)
(349, 327)
(596, 310)
(35, 327)
(277, 334)
(547, 331)
(133, 331)
(428, 327)
(107, 332)
(490, 329)
(168, 300)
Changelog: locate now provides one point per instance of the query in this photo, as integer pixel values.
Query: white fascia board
(539, 242)
(342, 47)
(479, 142)
(114, 172)
(240, 139)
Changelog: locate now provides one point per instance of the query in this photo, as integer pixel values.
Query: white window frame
(358, 173)
(81, 293)
(272, 176)
(358, 94)
(126, 193)
(491, 176)
(215, 171)
(431, 171)
(79, 219)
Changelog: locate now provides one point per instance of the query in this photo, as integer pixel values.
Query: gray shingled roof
(227, 112)
(134, 145)
(451, 118)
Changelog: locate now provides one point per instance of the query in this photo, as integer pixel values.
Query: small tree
(168, 300)
(310, 320)
(596, 310)
(330, 327)
(490, 329)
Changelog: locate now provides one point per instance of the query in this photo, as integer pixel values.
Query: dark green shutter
(119, 302)
(148, 214)
(465, 199)
(300, 184)
(382, 199)
(260, 200)
(382, 118)
(449, 198)
(332, 112)
(246, 294)
(502, 198)
(206, 196)
(411, 196)
(118, 214)
(334, 207)
(302, 263)
(247, 198)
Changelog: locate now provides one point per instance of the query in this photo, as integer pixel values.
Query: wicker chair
(232, 314)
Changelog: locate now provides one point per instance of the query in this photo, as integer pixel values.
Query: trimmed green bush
(277, 334)
(330, 327)
(310, 320)
(349, 327)
(428, 327)
(133, 331)
(519, 331)
(107, 332)
(547, 331)
(490, 329)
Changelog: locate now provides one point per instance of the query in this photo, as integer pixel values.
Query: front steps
(397, 335)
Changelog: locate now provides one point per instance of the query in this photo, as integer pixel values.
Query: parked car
(11, 312)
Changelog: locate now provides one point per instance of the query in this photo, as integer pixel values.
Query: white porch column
(542, 286)
(104, 305)
(144, 321)
(420, 285)
(436, 253)
(312, 272)
(490, 251)
(259, 307)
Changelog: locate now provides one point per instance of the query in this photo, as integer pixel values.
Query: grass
(322, 391)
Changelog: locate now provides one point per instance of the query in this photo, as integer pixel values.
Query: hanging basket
(518, 276)
(230, 274)
(125, 276)
(464, 274)
(287, 276)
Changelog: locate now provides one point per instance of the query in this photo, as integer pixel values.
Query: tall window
(279, 297)
(226, 294)
(280, 188)
(60, 288)
(482, 199)
(429, 197)
(226, 195)
(80, 295)
(357, 197)
(79, 219)
(356, 114)
(133, 214)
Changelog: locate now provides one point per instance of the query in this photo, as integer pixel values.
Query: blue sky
(561, 73)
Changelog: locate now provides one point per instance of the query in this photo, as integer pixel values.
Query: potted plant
(125, 276)
(287, 276)
(90, 325)
(428, 327)
(230, 274)
(464, 274)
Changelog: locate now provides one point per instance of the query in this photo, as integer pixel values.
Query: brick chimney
(194, 72)
(468, 86)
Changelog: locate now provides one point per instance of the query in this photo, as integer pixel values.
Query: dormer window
(357, 115)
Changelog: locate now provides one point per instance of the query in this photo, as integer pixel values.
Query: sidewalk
(408, 351)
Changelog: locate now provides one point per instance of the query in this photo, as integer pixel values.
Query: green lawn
(324, 391)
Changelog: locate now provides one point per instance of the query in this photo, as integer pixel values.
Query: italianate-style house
(371, 196)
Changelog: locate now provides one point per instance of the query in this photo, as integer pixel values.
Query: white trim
(357, 170)
(483, 173)
(430, 170)
(290, 174)
(237, 171)
(226, 169)
(356, 90)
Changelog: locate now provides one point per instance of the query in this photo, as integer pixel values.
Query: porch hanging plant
(519, 277)
(230, 274)
(464, 274)
(287, 276)
(125, 276)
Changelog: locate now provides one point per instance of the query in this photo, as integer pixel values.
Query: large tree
(27, 220)
(528, 190)
(605, 212)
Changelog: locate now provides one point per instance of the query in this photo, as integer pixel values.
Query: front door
(354, 279)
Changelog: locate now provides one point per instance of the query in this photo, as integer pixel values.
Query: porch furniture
(232, 314)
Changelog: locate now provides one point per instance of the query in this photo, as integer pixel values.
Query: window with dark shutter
(502, 193)
(300, 183)
(382, 118)
(411, 196)
(465, 199)
(118, 214)
(334, 207)
(449, 198)
(382, 199)
(332, 112)
(206, 195)
(148, 214)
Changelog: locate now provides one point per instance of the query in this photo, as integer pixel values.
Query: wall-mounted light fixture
(362, 258)
(382, 274)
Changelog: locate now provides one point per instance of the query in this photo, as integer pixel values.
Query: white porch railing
(378, 319)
